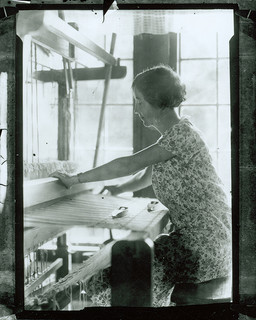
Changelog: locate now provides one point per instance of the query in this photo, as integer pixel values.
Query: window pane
(224, 171)
(205, 119)
(224, 129)
(214, 156)
(223, 82)
(200, 80)
(224, 150)
(119, 126)
(85, 158)
(194, 46)
(91, 92)
(47, 121)
(87, 126)
(124, 46)
(113, 154)
(120, 89)
(42, 60)
(225, 34)
(116, 132)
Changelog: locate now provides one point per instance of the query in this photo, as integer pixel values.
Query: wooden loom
(48, 219)
(49, 31)
(49, 209)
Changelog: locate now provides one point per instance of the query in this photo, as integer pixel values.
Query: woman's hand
(111, 190)
(67, 180)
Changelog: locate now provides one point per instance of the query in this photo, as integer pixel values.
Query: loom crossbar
(67, 32)
(51, 32)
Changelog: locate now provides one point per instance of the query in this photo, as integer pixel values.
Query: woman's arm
(119, 167)
(137, 182)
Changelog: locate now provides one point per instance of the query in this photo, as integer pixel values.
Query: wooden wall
(7, 218)
(247, 161)
(244, 170)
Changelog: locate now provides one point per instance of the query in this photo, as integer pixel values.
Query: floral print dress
(198, 248)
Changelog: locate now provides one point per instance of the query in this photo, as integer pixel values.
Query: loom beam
(81, 74)
(54, 34)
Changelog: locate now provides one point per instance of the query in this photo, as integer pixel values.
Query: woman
(180, 169)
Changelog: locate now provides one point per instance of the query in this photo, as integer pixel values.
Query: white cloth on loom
(39, 170)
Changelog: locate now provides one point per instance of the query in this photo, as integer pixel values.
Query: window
(203, 63)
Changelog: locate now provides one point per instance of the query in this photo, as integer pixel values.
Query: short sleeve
(169, 141)
(182, 141)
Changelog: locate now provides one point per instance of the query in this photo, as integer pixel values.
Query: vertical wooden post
(10, 215)
(62, 252)
(104, 100)
(247, 161)
(63, 123)
(234, 104)
(131, 273)
(66, 107)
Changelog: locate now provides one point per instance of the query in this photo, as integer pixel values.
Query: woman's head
(160, 86)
